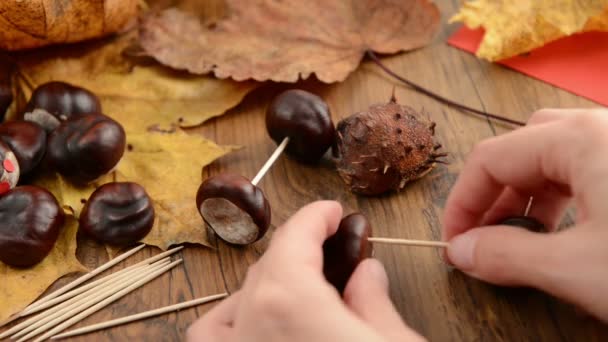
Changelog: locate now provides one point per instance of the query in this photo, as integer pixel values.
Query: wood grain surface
(442, 304)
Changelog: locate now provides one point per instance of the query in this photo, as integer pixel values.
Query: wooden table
(440, 303)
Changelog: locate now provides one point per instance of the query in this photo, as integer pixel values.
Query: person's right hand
(559, 157)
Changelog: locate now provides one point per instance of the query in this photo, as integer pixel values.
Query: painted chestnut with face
(305, 119)
(54, 102)
(343, 251)
(9, 169)
(527, 222)
(118, 214)
(31, 222)
(236, 210)
(84, 148)
(28, 142)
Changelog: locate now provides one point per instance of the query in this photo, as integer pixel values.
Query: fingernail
(376, 270)
(461, 250)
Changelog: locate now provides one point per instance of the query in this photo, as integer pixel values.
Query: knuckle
(272, 302)
(482, 149)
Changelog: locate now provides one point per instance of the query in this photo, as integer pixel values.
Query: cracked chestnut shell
(9, 169)
(118, 214)
(54, 102)
(343, 251)
(86, 147)
(304, 118)
(385, 147)
(235, 209)
(28, 142)
(31, 222)
(6, 93)
(527, 222)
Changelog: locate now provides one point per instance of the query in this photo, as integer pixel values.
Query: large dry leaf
(19, 287)
(35, 23)
(169, 167)
(515, 27)
(285, 40)
(139, 97)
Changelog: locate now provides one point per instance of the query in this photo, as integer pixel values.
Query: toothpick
(86, 277)
(273, 158)
(56, 315)
(420, 243)
(106, 302)
(529, 206)
(70, 294)
(139, 316)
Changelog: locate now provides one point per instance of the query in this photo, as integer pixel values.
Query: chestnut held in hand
(527, 222)
(9, 169)
(118, 214)
(235, 209)
(54, 102)
(344, 250)
(86, 147)
(304, 118)
(31, 222)
(28, 142)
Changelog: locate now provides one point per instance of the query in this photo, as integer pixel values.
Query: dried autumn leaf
(285, 40)
(139, 97)
(19, 287)
(35, 23)
(515, 27)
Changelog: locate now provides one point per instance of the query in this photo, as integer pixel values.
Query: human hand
(559, 157)
(285, 296)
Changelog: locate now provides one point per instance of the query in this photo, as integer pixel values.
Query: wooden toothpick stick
(86, 277)
(139, 316)
(420, 243)
(273, 158)
(77, 318)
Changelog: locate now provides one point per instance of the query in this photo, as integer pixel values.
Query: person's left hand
(285, 296)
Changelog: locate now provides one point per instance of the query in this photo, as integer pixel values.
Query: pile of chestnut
(63, 130)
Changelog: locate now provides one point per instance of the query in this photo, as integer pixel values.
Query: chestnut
(344, 250)
(53, 102)
(83, 148)
(118, 214)
(28, 142)
(527, 222)
(305, 119)
(31, 222)
(236, 210)
(9, 169)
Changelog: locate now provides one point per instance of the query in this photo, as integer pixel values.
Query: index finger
(558, 153)
(300, 240)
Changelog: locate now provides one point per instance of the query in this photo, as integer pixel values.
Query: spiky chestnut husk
(384, 148)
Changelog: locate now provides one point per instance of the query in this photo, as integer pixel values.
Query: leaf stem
(438, 97)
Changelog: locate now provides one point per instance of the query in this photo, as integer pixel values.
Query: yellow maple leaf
(513, 27)
(19, 287)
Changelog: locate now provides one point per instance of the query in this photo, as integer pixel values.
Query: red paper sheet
(578, 63)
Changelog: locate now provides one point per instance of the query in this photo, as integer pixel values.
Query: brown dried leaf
(19, 287)
(35, 23)
(137, 96)
(283, 41)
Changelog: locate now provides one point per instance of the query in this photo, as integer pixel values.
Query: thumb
(569, 264)
(367, 295)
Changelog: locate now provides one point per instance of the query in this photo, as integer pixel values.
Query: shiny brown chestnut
(31, 222)
(54, 102)
(9, 169)
(118, 214)
(235, 209)
(344, 250)
(86, 147)
(527, 222)
(305, 119)
(28, 142)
